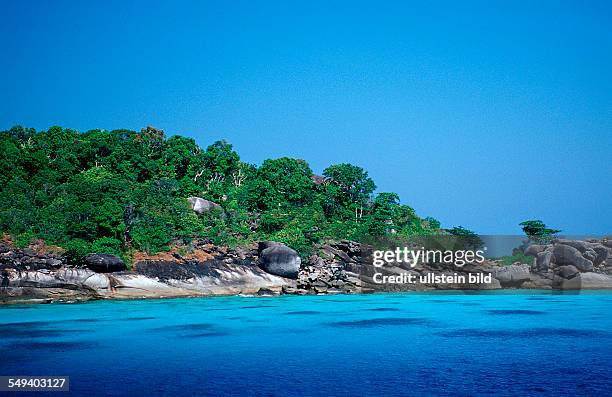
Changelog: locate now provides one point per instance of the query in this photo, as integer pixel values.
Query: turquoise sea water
(358, 345)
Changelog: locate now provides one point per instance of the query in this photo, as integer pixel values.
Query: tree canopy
(537, 231)
(124, 191)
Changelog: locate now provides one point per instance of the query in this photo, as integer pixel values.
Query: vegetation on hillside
(123, 191)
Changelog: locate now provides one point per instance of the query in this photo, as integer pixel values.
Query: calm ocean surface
(359, 345)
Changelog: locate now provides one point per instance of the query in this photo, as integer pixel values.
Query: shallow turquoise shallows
(507, 343)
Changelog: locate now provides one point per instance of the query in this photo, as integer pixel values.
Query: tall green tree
(355, 184)
(290, 180)
(537, 231)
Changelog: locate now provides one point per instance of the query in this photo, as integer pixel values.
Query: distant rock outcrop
(104, 263)
(347, 267)
(574, 264)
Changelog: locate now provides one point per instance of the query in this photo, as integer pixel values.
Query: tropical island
(139, 214)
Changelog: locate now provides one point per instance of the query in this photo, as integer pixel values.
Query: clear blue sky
(478, 114)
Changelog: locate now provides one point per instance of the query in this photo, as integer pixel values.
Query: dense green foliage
(124, 191)
(467, 237)
(537, 231)
(517, 256)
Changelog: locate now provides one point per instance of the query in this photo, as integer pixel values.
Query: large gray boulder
(262, 245)
(534, 249)
(512, 276)
(588, 280)
(538, 281)
(104, 263)
(280, 260)
(567, 271)
(201, 206)
(580, 245)
(590, 255)
(567, 255)
(602, 254)
(543, 260)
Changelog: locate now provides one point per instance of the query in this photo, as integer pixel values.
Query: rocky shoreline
(37, 275)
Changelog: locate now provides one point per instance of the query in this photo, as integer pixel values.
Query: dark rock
(104, 263)
(602, 254)
(539, 281)
(266, 292)
(543, 260)
(534, 249)
(342, 255)
(351, 247)
(568, 255)
(512, 276)
(567, 271)
(588, 280)
(5, 279)
(590, 254)
(262, 245)
(54, 263)
(581, 246)
(280, 260)
(174, 270)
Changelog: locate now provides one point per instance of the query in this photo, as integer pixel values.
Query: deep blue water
(359, 345)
